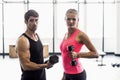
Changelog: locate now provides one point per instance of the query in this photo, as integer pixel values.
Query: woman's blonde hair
(74, 11)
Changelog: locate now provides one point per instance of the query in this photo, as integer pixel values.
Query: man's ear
(25, 21)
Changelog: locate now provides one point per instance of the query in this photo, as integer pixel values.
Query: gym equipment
(101, 54)
(101, 64)
(115, 65)
(45, 51)
(53, 59)
(12, 51)
(73, 61)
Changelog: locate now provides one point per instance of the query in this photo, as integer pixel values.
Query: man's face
(32, 23)
(72, 20)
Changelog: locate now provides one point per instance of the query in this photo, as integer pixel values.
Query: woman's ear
(78, 19)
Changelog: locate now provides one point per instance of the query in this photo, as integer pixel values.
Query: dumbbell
(118, 65)
(73, 61)
(115, 65)
(53, 59)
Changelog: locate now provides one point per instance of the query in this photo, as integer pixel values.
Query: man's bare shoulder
(22, 39)
(22, 42)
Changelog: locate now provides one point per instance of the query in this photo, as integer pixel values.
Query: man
(30, 50)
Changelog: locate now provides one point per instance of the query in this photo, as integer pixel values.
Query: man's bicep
(23, 49)
(24, 56)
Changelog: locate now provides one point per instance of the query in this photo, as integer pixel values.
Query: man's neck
(32, 35)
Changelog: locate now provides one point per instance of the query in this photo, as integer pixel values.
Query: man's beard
(33, 29)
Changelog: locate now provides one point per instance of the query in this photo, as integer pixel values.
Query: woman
(70, 48)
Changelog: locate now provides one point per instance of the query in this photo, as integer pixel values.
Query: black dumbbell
(73, 61)
(53, 60)
(115, 65)
(118, 65)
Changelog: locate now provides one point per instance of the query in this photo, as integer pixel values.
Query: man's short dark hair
(29, 13)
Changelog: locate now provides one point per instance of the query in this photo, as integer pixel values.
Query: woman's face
(72, 20)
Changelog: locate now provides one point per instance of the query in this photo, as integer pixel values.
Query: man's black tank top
(36, 56)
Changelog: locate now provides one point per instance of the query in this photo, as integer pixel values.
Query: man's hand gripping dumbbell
(53, 60)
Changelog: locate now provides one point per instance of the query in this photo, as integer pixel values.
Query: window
(13, 23)
(93, 18)
(1, 31)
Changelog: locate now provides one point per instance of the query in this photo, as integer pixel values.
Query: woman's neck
(71, 30)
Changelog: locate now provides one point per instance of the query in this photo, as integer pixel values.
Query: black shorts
(79, 76)
(34, 75)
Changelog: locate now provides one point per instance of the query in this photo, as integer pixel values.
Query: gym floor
(10, 69)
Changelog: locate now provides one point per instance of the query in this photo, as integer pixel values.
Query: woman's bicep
(86, 40)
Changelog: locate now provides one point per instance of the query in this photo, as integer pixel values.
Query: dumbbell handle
(46, 62)
(73, 62)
